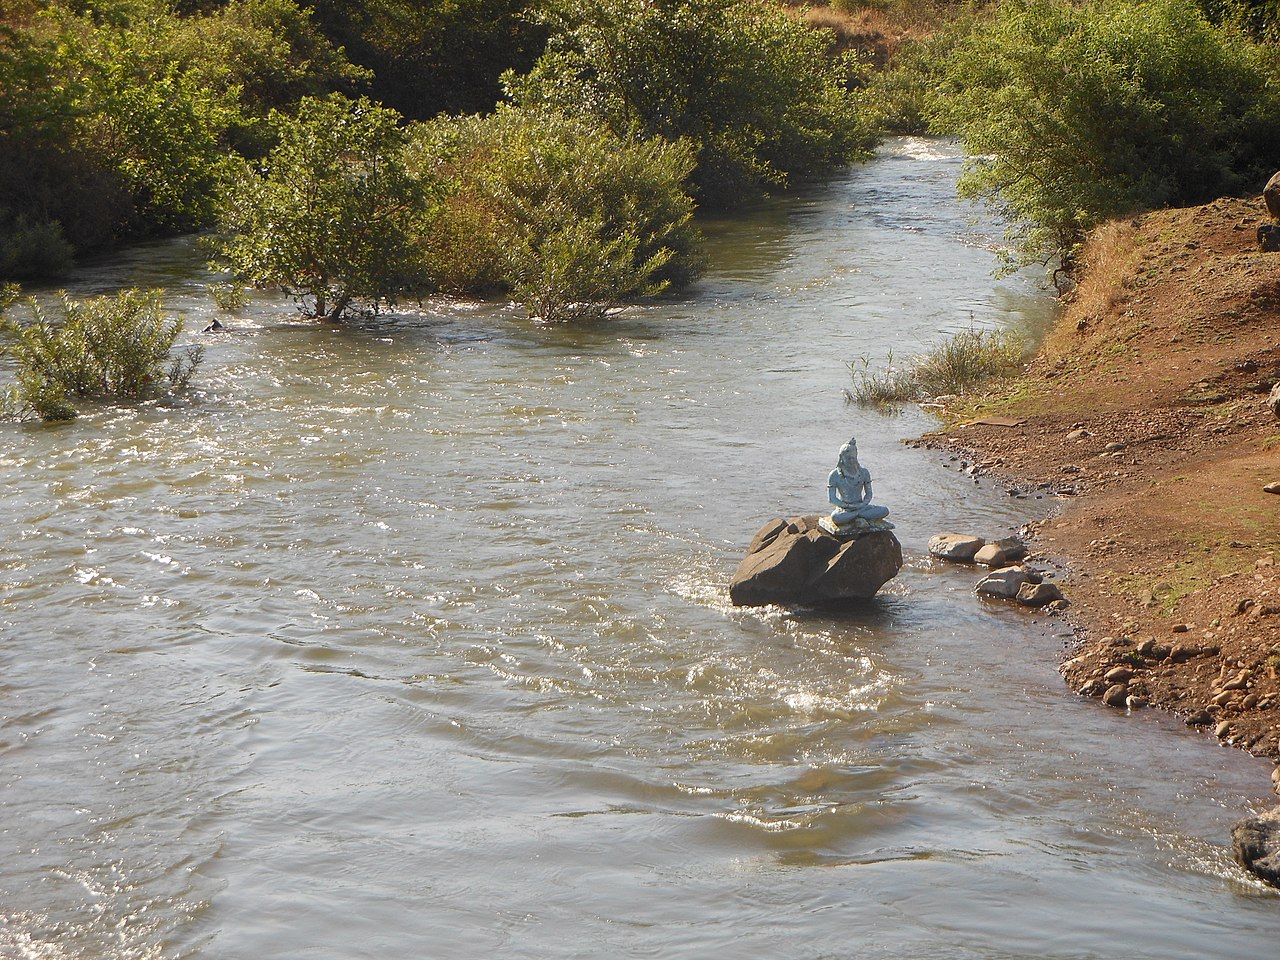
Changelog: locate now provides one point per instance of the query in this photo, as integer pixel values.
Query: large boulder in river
(795, 561)
(1256, 841)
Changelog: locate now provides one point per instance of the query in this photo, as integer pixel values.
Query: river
(409, 638)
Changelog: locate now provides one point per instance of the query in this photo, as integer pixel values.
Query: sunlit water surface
(409, 638)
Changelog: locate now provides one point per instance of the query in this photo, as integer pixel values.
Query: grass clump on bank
(102, 349)
(969, 360)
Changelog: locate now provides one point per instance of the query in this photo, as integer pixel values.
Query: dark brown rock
(778, 572)
(861, 568)
(797, 562)
(766, 535)
(1256, 843)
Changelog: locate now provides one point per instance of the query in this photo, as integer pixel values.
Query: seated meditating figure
(849, 490)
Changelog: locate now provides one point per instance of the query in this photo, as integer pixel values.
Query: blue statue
(849, 490)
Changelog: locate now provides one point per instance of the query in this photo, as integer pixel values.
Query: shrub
(331, 215)
(964, 362)
(1077, 113)
(434, 57)
(36, 249)
(106, 348)
(558, 210)
(116, 115)
(751, 87)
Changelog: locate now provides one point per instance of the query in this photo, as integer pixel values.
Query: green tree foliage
(332, 213)
(104, 349)
(750, 87)
(571, 218)
(115, 116)
(434, 56)
(1082, 112)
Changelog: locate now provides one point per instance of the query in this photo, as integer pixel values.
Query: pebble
(1181, 627)
(1070, 468)
(1114, 447)
(1222, 730)
(1239, 681)
(1116, 695)
(1135, 703)
(1250, 701)
(1118, 675)
(1272, 488)
(1199, 718)
(1079, 434)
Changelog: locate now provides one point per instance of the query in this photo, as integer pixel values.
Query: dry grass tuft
(1107, 268)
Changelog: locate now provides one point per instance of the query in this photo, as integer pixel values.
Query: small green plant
(882, 388)
(966, 361)
(105, 348)
(227, 296)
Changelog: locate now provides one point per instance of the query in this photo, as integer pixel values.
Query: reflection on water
(410, 638)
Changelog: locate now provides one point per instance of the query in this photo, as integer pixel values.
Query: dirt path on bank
(1146, 412)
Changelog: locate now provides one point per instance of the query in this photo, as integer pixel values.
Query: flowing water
(409, 638)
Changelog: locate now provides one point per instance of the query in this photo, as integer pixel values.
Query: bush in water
(106, 348)
(570, 218)
(968, 360)
(331, 215)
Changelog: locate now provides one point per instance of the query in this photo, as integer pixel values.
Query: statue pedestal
(797, 561)
(854, 528)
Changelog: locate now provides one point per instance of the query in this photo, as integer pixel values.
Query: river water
(410, 638)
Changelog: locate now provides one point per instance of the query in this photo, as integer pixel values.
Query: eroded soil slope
(1146, 410)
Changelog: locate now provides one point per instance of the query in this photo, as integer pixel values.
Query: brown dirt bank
(1145, 411)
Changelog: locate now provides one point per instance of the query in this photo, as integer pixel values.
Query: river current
(409, 638)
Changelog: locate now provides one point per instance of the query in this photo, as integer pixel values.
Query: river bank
(1145, 411)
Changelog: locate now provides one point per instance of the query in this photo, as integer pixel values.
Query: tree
(569, 217)
(750, 87)
(1077, 113)
(331, 214)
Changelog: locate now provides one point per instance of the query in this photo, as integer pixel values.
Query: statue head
(848, 462)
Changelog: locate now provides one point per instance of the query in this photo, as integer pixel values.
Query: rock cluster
(1007, 581)
(1256, 842)
(794, 561)
(963, 548)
